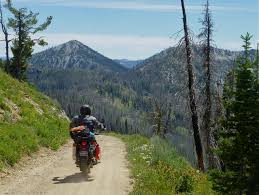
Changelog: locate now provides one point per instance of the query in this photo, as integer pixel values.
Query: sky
(137, 29)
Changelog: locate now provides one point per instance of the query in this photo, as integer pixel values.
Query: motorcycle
(84, 149)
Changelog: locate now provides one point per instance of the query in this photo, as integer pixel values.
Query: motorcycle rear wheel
(84, 166)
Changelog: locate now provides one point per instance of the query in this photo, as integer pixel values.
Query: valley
(124, 98)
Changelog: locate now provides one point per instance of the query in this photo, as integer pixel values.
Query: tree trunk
(192, 99)
(19, 62)
(218, 162)
(7, 65)
(207, 66)
(167, 124)
(5, 32)
(257, 58)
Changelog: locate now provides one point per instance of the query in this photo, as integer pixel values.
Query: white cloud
(122, 46)
(231, 45)
(117, 46)
(128, 5)
(113, 46)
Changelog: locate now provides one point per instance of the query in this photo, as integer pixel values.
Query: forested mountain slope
(168, 67)
(163, 76)
(28, 120)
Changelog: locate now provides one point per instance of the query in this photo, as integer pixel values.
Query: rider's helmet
(85, 110)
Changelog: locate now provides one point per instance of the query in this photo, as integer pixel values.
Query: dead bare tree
(6, 37)
(156, 118)
(206, 37)
(192, 98)
(168, 119)
(215, 126)
(257, 60)
(218, 100)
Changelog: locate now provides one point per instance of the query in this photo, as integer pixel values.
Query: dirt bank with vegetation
(28, 121)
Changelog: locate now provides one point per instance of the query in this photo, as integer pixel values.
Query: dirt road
(55, 173)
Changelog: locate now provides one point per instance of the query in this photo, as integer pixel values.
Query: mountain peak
(74, 43)
(70, 46)
(74, 54)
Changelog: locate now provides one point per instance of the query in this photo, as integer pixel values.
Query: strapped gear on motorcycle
(85, 110)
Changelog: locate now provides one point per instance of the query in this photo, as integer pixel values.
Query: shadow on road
(75, 178)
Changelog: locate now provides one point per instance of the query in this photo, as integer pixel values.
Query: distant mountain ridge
(173, 59)
(74, 55)
(128, 63)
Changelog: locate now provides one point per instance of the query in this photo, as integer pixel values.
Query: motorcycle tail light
(84, 143)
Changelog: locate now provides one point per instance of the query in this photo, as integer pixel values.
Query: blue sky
(136, 29)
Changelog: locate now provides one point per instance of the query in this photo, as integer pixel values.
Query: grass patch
(158, 169)
(32, 129)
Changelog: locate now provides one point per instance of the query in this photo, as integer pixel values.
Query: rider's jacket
(89, 121)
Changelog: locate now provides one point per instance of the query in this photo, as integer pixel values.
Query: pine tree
(24, 24)
(239, 138)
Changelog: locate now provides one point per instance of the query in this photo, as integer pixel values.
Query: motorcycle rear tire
(84, 166)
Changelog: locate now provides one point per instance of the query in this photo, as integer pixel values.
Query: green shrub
(16, 140)
(185, 184)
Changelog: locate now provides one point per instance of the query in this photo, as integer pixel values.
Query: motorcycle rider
(85, 119)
